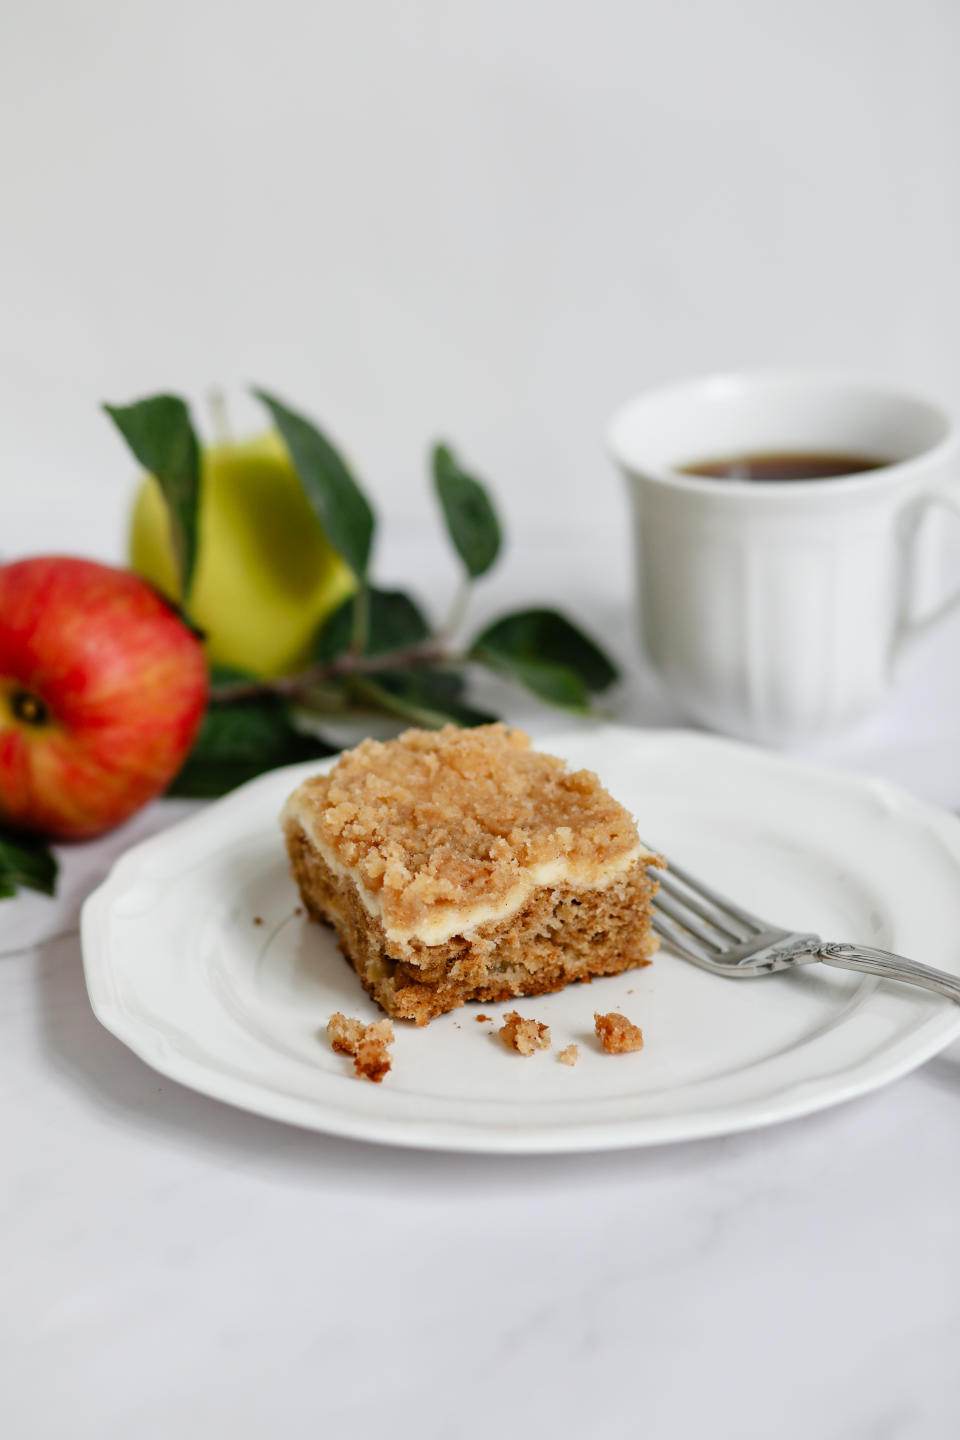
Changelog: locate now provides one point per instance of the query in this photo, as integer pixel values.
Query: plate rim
(861, 1079)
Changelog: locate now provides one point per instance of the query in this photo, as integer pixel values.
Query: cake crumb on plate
(524, 1036)
(367, 1044)
(344, 1033)
(617, 1034)
(372, 1060)
(569, 1055)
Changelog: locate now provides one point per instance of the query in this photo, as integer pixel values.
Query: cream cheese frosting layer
(443, 921)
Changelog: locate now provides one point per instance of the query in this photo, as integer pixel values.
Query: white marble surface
(172, 1267)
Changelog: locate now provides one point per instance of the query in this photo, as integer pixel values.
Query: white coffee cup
(775, 610)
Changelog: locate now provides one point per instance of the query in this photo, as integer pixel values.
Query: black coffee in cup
(783, 465)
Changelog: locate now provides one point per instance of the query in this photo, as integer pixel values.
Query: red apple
(102, 691)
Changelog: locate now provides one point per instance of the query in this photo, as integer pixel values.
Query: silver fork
(711, 931)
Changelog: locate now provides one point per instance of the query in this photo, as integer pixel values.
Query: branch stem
(361, 620)
(458, 609)
(368, 689)
(345, 666)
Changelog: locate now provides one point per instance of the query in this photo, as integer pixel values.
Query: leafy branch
(378, 651)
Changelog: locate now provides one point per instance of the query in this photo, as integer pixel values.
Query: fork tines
(698, 921)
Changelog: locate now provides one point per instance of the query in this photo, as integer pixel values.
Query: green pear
(266, 575)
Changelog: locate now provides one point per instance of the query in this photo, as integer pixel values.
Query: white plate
(179, 969)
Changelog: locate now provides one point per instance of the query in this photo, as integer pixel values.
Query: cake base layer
(562, 934)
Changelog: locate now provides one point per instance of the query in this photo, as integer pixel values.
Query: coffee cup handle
(911, 628)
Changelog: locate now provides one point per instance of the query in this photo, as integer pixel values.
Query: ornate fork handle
(890, 967)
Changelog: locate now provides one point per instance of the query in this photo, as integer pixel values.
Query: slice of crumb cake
(463, 865)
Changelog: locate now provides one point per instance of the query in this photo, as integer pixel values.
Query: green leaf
(240, 739)
(394, 621)
(25, 861)
(160, 433)
(337, 500)
(541, 636)
(468, 511)
(430, 697)
(557, 684)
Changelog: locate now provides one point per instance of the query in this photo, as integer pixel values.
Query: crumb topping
(437, 823)
(569, 1055)
(524, 1036)
(366, 1043)
(617, 1034)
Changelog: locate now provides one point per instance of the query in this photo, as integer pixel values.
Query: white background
(492, 222)
(489, 221)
